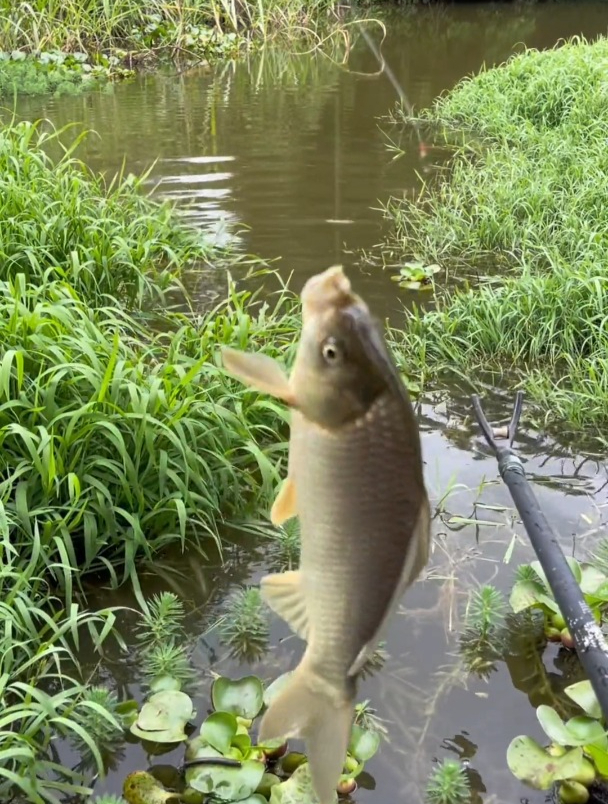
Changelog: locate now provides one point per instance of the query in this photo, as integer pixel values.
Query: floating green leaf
(142, 788)
(199, 747)
(163, 717)
(243, 697)
(297, 789)
(599, 757)
(592, 579)
(228, 784)
(363, 743)
(165, 683)
(268, 782)
(577, 731)
(218, 730)
(272, 690)
(531, 764)
(525, 594)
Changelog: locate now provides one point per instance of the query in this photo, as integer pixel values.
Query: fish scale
(348, 538)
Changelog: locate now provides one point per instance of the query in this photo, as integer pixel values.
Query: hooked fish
(355, 480)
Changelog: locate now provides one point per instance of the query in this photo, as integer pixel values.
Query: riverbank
(120, 435)
(70, 46)
(522, 205)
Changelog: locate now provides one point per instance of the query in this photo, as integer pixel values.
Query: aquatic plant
(200, 28)
(448, 784)
(522, 196)
(244, 626)
(223, 761)
(59, 220)
(52, 72)
(532, 591)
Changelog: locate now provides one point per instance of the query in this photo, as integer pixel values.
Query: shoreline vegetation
(68, 46)
(118, 438)
(525, 190)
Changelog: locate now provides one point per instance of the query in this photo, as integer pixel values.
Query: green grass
(118, 438)
(525, 193)
(199, 28)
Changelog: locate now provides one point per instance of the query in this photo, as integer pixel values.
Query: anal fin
(283, 592)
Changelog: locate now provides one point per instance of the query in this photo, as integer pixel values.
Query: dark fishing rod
(588, 638)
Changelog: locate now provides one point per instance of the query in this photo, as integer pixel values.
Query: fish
(355, 480)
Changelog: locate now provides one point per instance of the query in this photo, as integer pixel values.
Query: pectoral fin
(415, 559)
(284, 506)
(258, 371)
(283, 592)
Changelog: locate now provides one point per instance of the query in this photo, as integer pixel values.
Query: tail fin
(310, 709)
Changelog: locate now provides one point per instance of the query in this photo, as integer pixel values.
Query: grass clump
(135, 31)
(117, 440)
(525, 195)
(60, 221)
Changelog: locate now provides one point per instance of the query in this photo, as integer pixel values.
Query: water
(285, 157)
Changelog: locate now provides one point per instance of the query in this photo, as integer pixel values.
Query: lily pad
(534, 766)
(163, 717)
(363, 743)
(272, 690)
(243, 697)
(218, 730)
(142, 788)
(228, 784)
(297, 789)
(582, 693)
(580, 730)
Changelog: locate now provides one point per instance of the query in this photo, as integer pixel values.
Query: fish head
(342, 364)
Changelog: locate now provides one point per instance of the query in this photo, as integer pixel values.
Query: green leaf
(272, 690)
(228, 784)
(363, 743)
(525, 594)
(218, 730)
(243, 697)
(200, 748)
(242, 742)
(530, 763)
(582, 693)
(163, 717)
(599, 757)
(142, 788)
(165, 683)
(577, 731)
(297, 789)
(268, 782)
(592, 579)
(574, 566)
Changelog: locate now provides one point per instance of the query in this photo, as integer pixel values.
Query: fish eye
(331, 351)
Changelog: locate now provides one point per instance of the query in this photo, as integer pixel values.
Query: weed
(448, 784)
(526, 195)
(244, 627)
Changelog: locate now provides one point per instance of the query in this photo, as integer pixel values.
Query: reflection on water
(284, 157)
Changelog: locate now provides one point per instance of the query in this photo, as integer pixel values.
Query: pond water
(285, 156)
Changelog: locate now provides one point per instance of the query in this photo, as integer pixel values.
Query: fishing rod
(588, 638)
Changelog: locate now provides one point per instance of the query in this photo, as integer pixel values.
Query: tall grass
(117, 439)
(526, 191)
(149, 28)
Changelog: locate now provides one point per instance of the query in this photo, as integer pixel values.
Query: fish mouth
(330, 289)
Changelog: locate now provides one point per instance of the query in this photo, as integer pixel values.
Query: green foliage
(448, 784)
(59, 221)
(223, 761)
(200, 28)
(244, 626)
(51, 72)
(524, 193)
(108, 799)
(118, 439)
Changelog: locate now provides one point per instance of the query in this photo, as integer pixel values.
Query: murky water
(291, 147)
